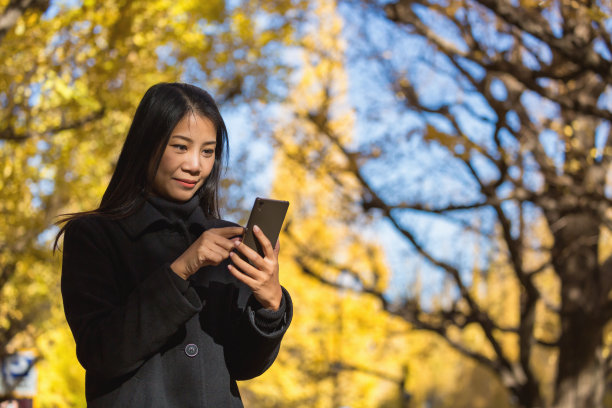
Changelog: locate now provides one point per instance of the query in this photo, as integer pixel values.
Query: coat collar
(150, 216)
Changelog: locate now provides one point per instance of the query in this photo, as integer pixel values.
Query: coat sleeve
(115, 336)
(256, 337)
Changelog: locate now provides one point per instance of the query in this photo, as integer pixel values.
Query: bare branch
(342, 366)
(402, 12)
(570, 46)
(15, 9)
(9, 133)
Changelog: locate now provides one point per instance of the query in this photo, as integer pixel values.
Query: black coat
(146, 337)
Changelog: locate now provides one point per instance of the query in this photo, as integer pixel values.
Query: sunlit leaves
(69, 84)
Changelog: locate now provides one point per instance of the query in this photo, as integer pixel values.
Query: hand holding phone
(261, 273)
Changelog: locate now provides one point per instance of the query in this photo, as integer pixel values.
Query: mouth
(187, 183)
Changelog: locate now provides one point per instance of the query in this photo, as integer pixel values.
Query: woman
(163, 312)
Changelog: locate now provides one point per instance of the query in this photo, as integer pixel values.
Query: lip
(186, 183)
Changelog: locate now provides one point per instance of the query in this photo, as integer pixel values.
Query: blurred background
(448, 238)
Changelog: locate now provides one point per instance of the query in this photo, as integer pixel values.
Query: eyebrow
(187, 139)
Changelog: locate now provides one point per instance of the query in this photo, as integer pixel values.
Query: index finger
(228, 232)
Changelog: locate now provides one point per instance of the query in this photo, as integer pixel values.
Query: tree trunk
(528, 395)
(580, 381)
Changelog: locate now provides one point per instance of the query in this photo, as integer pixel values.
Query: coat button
(191, 350)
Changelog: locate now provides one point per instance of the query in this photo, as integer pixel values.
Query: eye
(180, 147)
(208, 152)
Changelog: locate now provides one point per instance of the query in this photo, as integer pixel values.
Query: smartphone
(268, 215)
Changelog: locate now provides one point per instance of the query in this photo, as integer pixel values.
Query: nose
(192, 162)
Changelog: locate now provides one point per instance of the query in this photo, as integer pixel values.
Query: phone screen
(268, 215)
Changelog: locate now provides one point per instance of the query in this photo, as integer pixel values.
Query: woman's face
(187, 160)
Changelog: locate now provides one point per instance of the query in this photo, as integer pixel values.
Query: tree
(510, 103)
(70, 80)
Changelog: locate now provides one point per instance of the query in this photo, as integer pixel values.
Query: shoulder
(87, 222)
(84, 222)
(89, 229)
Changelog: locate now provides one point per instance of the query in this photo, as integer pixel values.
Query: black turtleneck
(174, 210)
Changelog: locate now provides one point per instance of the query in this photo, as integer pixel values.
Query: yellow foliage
(69, 85)
(61, 380)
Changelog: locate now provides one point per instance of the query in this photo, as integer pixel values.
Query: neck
(175, 209)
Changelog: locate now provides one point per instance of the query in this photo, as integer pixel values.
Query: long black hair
(158, 113)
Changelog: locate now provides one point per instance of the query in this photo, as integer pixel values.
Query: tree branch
(570, 45)
(402, 12)
(15, 9)
(9, 133)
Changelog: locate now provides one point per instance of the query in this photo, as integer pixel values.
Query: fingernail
(256, 228)
(237, 243)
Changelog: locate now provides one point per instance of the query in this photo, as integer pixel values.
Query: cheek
(208, 166)
(163, 172)
(164, 164)
(157, 182)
